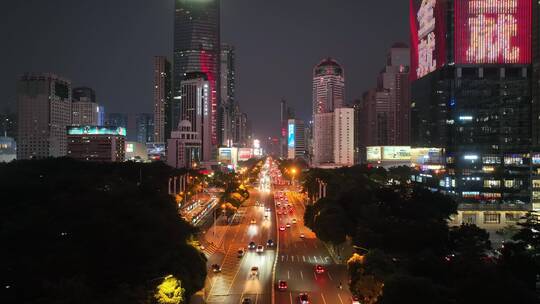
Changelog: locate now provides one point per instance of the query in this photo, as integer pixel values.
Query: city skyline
(124, 84)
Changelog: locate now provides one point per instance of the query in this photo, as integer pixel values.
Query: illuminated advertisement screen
(493, 31)
(374, 153)
(397, 153)
(428, 34)
(245, 154)
(291, 136)
(93, 130)
(225, 155)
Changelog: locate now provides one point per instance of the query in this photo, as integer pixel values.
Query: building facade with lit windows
(344, 137)
(184, 147)
(471, 95)
(163, 115)
(44, 112)
(328, 95)
(196, 108)
(197, 49)
(96, 143)
(296, 139)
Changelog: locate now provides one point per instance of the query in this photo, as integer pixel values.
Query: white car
(294, 221)
(260, 249)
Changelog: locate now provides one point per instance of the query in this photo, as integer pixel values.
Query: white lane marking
(292, 258)
(298, 258)
(339, 297)
(256, 298)
(288, 275)
(315, 259)
(309, 258)
(304, 258)
(301, 274)
(330, 276)
(322, 260)
(324, 300)
(315, 276)
(290, 296)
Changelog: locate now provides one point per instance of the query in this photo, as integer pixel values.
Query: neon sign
(493, 31)
(291, 136)
(427, 61)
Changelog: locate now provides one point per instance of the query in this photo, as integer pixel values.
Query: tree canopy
(92, 233)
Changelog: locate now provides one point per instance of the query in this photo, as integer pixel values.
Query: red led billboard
(492, 31)
(428, 36)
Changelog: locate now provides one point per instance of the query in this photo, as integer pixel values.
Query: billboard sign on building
(493, 31)
(396, 153)
(374, 153)
(290, 140)
(428, 36)
(245, 154)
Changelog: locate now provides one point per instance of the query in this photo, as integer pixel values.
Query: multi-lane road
(292, 259)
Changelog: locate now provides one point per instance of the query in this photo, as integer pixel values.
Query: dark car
(303, 298)
(282, 285)
(270, 243)
(216, 268)
(252, 245)
(246, 301)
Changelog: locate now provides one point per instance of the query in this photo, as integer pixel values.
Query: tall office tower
(44, 111)
(117, 120)
(163, 116)
(196, 108)
(144, 128)
(344, 136)
(286, 113)
(226, 109)
(394, 81)
(197, 49)
(471, 93)
(84, 109)
(296, 139)
(328, 86)
(328, 95)
(242, 130)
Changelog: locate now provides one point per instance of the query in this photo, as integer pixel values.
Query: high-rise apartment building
(84, 94)
(286, 113)
(471, 95)
(344, 137)
(196, 108)
(197, 49)
(44, 112)
(328, 95)
(163, 115)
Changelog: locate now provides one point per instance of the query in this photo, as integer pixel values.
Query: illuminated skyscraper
(197, 49)
(195, 93)
(471, 95)
(328, 95)
(163, 120)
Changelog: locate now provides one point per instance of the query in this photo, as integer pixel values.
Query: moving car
(260, 248)
(240, 252)
(281, 228)
(355, 300)
(270, 243)
(294, 221)
(216, 268)
(302, 235)
(253, 222)
(252, 245)
(279, 213)
(319, 269)
(288, 225)
(246, 301)
(282, 285)
(254, 272)
(303, 298)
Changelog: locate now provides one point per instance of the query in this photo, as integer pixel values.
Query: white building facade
(344, 137)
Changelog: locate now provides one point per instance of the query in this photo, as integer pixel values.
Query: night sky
(109, 45)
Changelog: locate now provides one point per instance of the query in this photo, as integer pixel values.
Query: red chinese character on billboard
(493, 31)
(427, 20)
